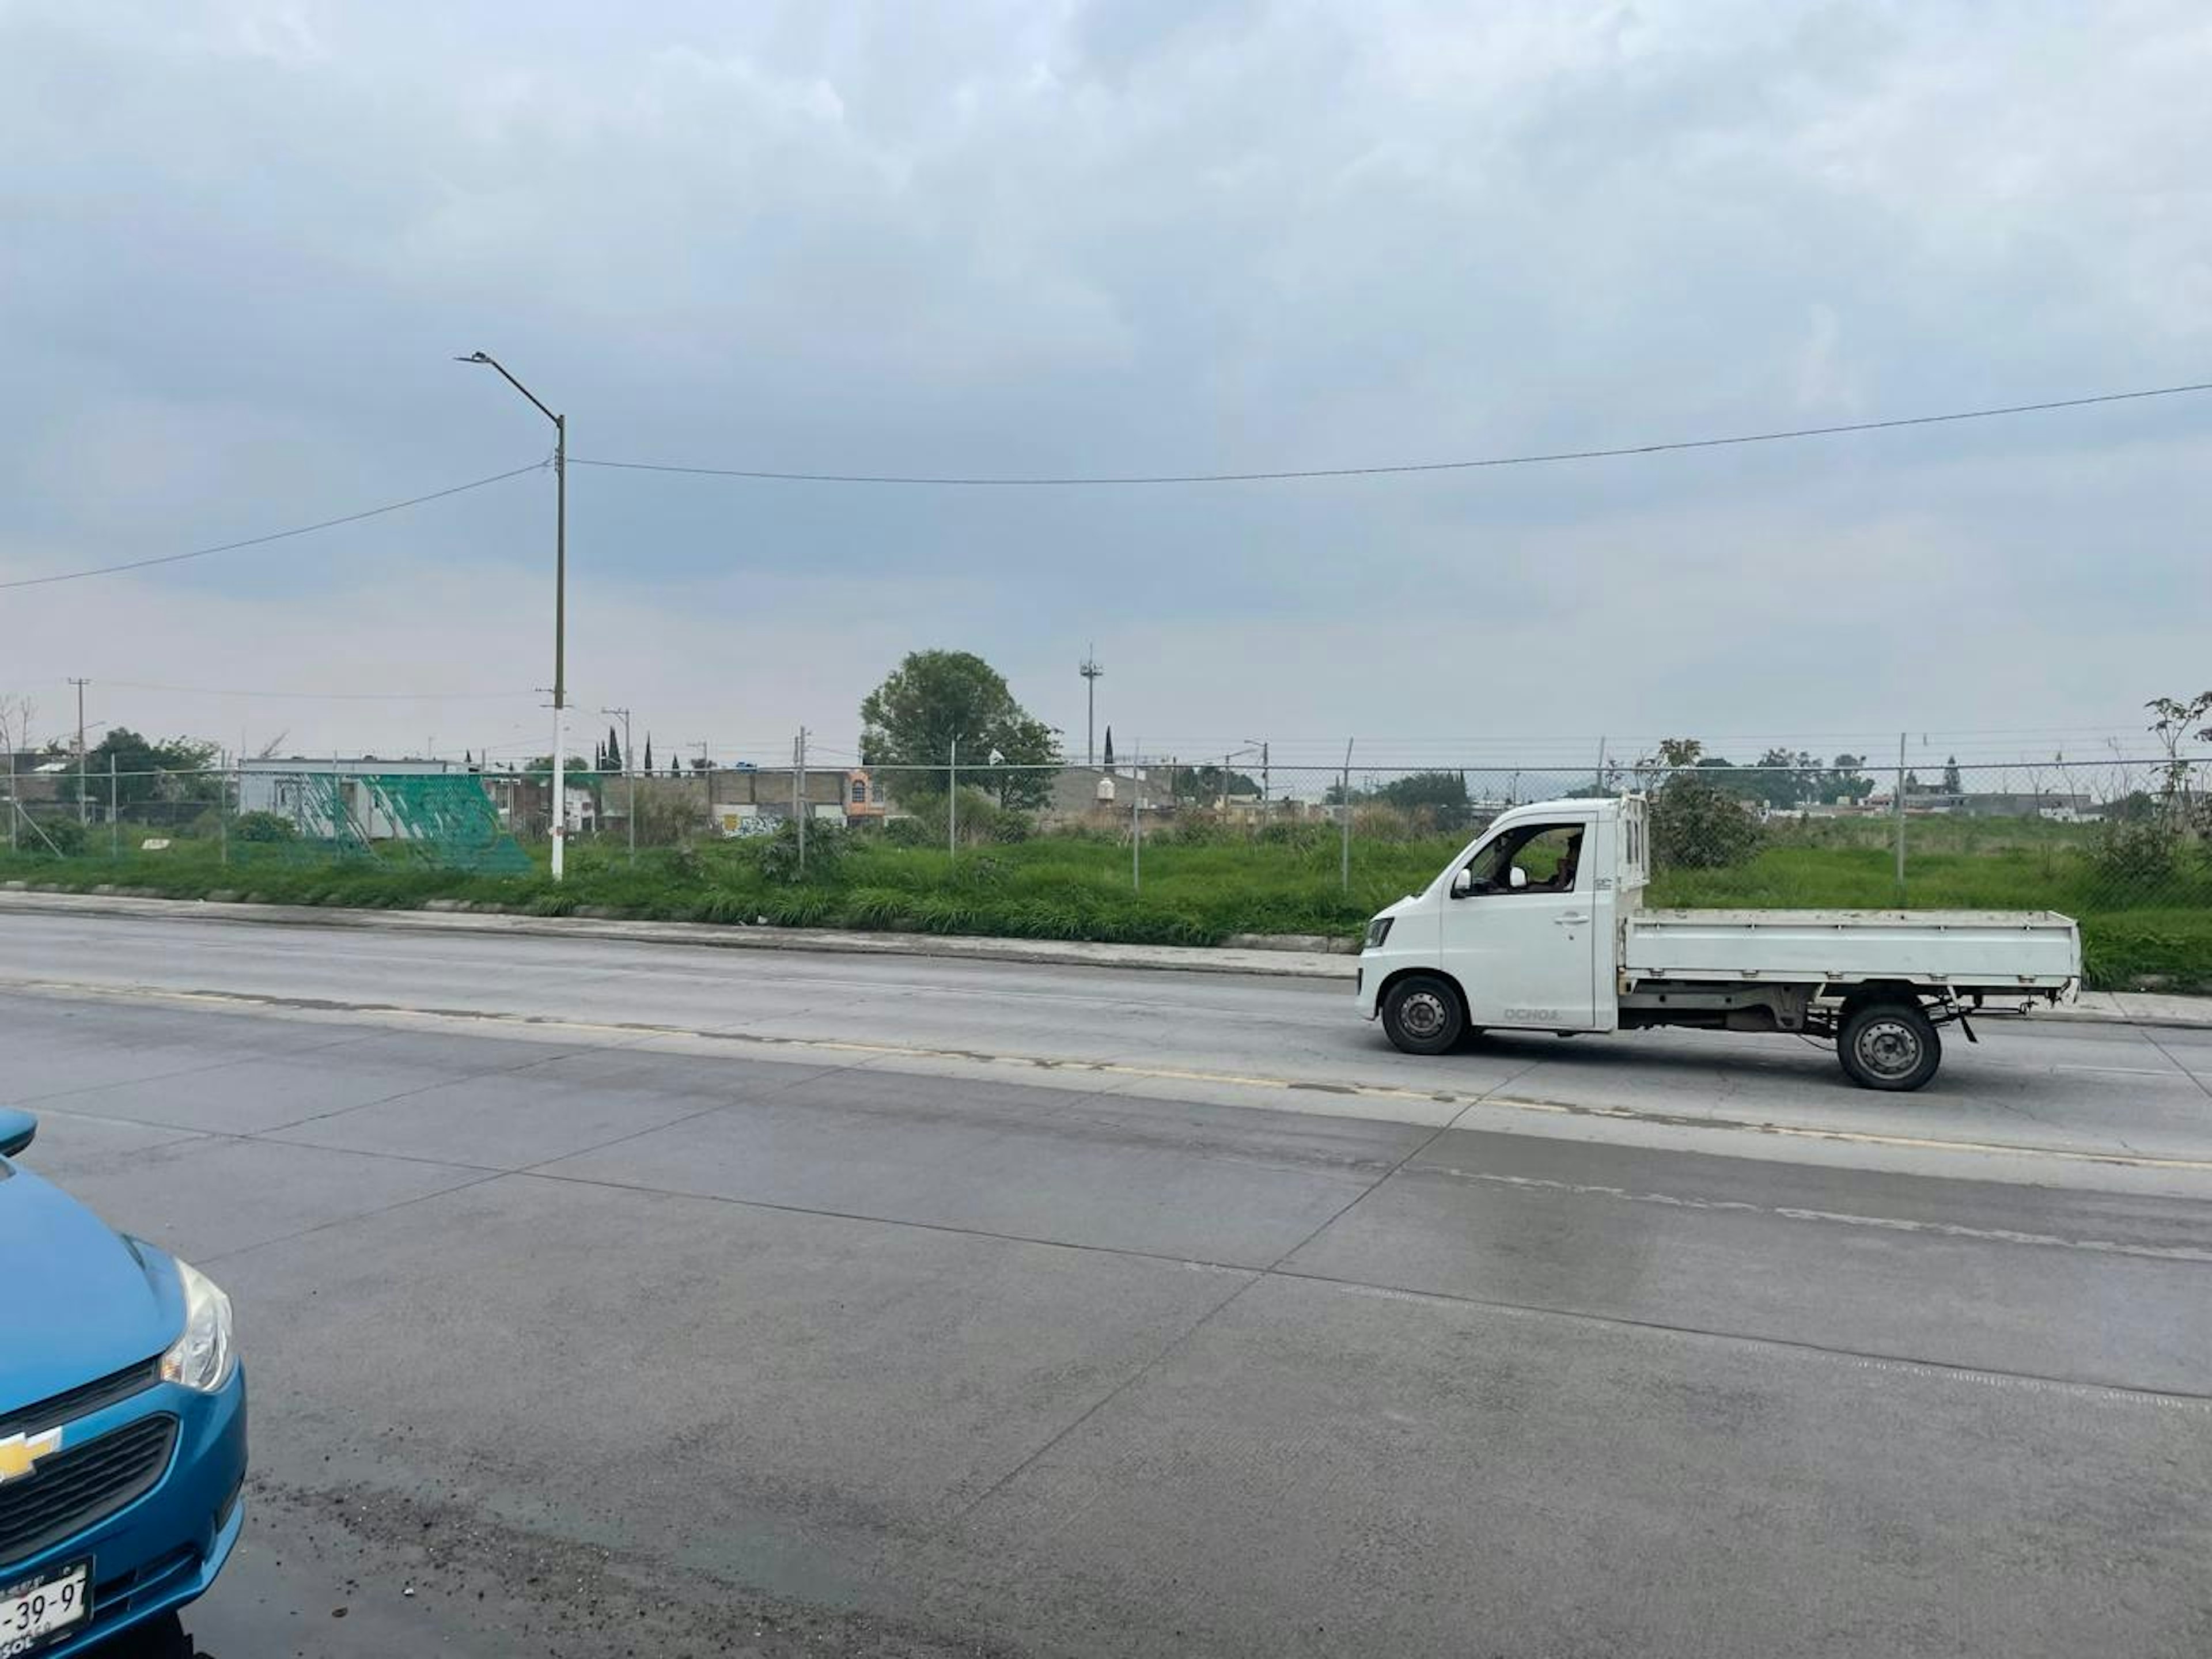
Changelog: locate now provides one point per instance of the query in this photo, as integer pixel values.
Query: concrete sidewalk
(2095, 1007)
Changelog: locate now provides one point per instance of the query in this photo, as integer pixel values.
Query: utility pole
(1266, 785)
(1091, 670)
(559, 602)
(799, 806)
(630, 777)
(81, 815)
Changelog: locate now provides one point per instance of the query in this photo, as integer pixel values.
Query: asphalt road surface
(631, 1299)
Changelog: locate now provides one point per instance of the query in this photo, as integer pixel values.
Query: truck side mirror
(17, 1131)
(1516, 878)
(1462, 883)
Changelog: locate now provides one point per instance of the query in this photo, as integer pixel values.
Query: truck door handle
(1572, 920)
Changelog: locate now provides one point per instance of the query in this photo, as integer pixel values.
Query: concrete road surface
(607, 1298)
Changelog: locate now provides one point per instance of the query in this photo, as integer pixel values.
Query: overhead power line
(275, 535)
(1533, 459)
(326, 696)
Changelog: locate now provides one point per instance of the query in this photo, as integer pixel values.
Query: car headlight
(1378, 930)
(202, 1356)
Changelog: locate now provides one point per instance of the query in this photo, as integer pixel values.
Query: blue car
(122, 1422)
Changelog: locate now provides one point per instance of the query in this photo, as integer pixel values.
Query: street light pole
(560, 602)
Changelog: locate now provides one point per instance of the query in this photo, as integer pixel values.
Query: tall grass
(1201, 892)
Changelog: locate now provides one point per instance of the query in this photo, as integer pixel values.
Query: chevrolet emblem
(20, 1453)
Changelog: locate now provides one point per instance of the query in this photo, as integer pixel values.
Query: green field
(2158, 933)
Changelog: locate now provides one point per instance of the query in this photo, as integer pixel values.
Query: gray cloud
(245, 237)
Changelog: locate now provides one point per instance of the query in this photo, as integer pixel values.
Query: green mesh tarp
(444, 820)
(447, 819)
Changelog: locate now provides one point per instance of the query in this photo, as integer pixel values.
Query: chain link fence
(1186, 850)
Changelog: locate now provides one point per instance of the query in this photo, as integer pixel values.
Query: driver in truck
(1562, 879)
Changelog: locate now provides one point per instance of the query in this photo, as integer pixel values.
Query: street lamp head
(475, 357)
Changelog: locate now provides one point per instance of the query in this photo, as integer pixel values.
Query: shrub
(2136, 853)
(42, 838)
(1696, 826)
(778, 858)
(264, 827)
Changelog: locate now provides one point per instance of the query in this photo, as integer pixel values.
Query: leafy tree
(936, 700)
(1441, 789)
(1204, 783)
(1696, 824)
(614, 751)
(648, 754)
(146, 772)
(1953, 783)
(1110, 747)
(580, 776)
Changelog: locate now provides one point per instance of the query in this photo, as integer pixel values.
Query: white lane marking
(1792, 1212)
(1469, 1103)
(2101, 1394)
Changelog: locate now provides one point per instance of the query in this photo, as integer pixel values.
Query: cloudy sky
(243, 239)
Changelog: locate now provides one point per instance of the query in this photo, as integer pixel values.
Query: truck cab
(1522, 922)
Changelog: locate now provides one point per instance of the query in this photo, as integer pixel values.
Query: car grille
(82, 1485)
(81, 1400)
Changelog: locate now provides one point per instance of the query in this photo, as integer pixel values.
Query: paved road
(630, 1298)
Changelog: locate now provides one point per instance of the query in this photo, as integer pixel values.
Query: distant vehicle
(122, 1423)
(1538, 925)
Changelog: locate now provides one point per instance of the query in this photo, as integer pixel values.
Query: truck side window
(1549, 854)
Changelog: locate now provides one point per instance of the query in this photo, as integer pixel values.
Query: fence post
(1900, 815)
(952, 802)
(1136, 831)
(1344, 806)
(114, 821)
(223, 818)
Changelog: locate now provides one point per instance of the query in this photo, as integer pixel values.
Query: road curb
(2095, 1008)
(1272, 963)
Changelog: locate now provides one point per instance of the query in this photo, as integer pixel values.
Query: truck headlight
(202, 1356)
(1378, 930)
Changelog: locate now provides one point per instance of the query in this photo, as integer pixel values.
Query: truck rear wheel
(1422, 1015)
(1890, 1046)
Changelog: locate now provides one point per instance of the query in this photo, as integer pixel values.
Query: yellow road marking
(1384, 1092)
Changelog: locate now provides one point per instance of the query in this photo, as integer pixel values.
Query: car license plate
(44, 1610)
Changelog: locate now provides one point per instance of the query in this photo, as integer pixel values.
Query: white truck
(1537, 925)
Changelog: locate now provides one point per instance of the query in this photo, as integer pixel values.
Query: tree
(614, 751)
(146, 772)
(1110, 747)
(1205, 783)
(648, 754)
(1954, 785)
(1845, 779)
(1444, 789)
(580, 776)
(938, 705)
(1695, 823)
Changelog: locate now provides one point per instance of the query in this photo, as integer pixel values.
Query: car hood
(78, 1299)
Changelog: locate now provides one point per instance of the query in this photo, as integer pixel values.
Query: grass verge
(1070, 888)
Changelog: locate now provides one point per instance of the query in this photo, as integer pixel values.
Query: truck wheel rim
(1422, 1014)
(1888, 1048)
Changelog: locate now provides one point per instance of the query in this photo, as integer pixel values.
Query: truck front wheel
(1890, 1046)
(1422, 1015)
